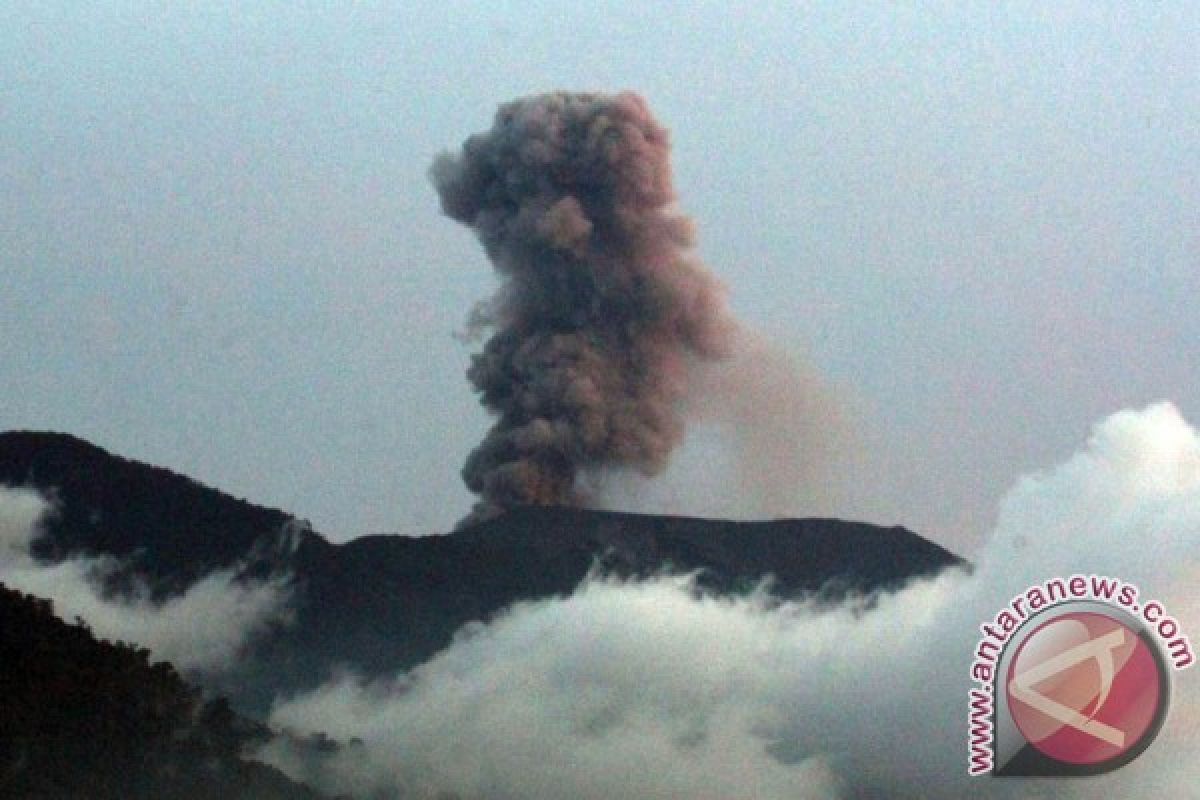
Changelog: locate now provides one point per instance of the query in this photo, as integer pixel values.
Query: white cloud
(203, 629)
(634, 690)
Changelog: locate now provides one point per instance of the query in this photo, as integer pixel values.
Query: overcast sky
(220, 252)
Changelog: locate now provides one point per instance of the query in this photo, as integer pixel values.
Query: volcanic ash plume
(602, 305)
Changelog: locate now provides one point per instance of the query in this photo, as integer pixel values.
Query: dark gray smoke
(603, 304)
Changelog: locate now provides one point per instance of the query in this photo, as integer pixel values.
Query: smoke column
(602, 305)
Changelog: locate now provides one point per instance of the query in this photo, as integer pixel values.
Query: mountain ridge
(84, 717)
(383, 603)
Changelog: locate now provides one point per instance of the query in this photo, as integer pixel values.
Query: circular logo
(1085, 688)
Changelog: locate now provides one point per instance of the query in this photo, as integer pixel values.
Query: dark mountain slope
(385, 603)
(364, 592)
(174, 528)
(81, 718)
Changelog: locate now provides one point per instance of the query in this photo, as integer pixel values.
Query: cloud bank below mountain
(204, 629)
(636, 689)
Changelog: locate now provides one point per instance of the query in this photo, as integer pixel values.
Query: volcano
(380, 604)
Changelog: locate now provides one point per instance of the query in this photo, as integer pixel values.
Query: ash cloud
(767, 436)
(203, 630)
(650, 689)
(789, 442)
(603, 306)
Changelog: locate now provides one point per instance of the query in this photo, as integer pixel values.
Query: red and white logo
(1084, 688)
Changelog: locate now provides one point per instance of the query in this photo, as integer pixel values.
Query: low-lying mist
(204, 629)
(652, 689)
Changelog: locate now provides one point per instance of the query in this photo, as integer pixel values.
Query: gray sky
(219, 250)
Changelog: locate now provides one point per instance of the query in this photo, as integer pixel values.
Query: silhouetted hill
(383, 603)
(81, 718)
(366, 591)
(173, 528)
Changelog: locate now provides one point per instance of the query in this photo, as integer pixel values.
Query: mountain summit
(380, 604)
